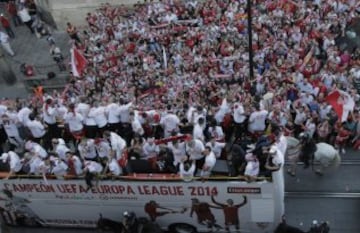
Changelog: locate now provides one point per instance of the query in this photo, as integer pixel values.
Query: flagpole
(249, 17)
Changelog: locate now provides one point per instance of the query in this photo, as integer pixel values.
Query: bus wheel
(182, 228)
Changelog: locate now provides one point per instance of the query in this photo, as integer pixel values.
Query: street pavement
(34, 51)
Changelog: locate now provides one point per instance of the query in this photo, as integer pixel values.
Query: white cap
(315, 222)
(4, 157)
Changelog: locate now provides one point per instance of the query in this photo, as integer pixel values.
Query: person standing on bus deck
(73, 33)
(186, 170)
(231, 213)
(116, 142)
(14, 162)
(209, 164)
(92, 170)
(194, 149)
(275, 163)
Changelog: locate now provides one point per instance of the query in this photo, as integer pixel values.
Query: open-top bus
(217, 202)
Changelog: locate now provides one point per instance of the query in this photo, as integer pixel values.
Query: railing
(138, 177)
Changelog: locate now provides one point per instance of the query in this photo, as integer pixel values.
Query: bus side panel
(202, 204)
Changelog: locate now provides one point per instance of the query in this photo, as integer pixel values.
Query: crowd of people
(168, 82)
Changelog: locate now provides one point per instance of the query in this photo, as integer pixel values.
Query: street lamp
(251, 62)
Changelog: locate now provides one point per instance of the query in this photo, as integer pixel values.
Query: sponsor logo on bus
(243, 190)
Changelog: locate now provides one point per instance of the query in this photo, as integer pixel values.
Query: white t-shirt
(178, 151)
(210, 161)
(15, 162)
(36, 128)
(114, 167)
(257, 121)
(198, 132)
(239, 113)
(188, 175)
(61, 149)
(75, 121)
(60, 168)
(113, 113)
(103, 149)
(195, 151)
(49, 115)
(170, 122)
(216, 147)
(93, 167)
(99, 116)
(23, 115)
(87, 150)
(118, 144)
(36, 149)
(150, 150)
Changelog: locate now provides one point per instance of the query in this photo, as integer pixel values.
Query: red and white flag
(342, 103)
(78, 62)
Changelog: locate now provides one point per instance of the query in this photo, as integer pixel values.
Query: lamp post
(251, 62)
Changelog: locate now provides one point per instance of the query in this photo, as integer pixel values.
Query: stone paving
(34, 51)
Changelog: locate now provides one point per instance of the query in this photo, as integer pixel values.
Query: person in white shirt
(59, 167)
(25, 17)
(136, 125)
(103, 148)
(125, 130)
(150, 149)
(310, 127)
(23, 118)
(239, 117)
(300, 119)
(257, 121)
(252, 168)
(186, 171)
(23, 114)
(92, 170)
(87, 149)
(112, 111)
(74, 120)
(36, 128)
(170, 123)
(216, 147)
(36, 149)
(178, 150)
(74, 163)
(98, 113)
(89, 122)
(116, 142)
(60, 148)
(195, 149)
(198, 130)
(49, 116)
(12, 131)
(215, 131)
(4, 41)
(113, 166)
(210, 161)
(14, 162)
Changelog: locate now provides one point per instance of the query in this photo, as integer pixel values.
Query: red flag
(342, 103)
(335, 101)
(78, 62)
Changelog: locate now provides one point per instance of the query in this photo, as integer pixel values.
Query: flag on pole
(342, 103)
(78, 62)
